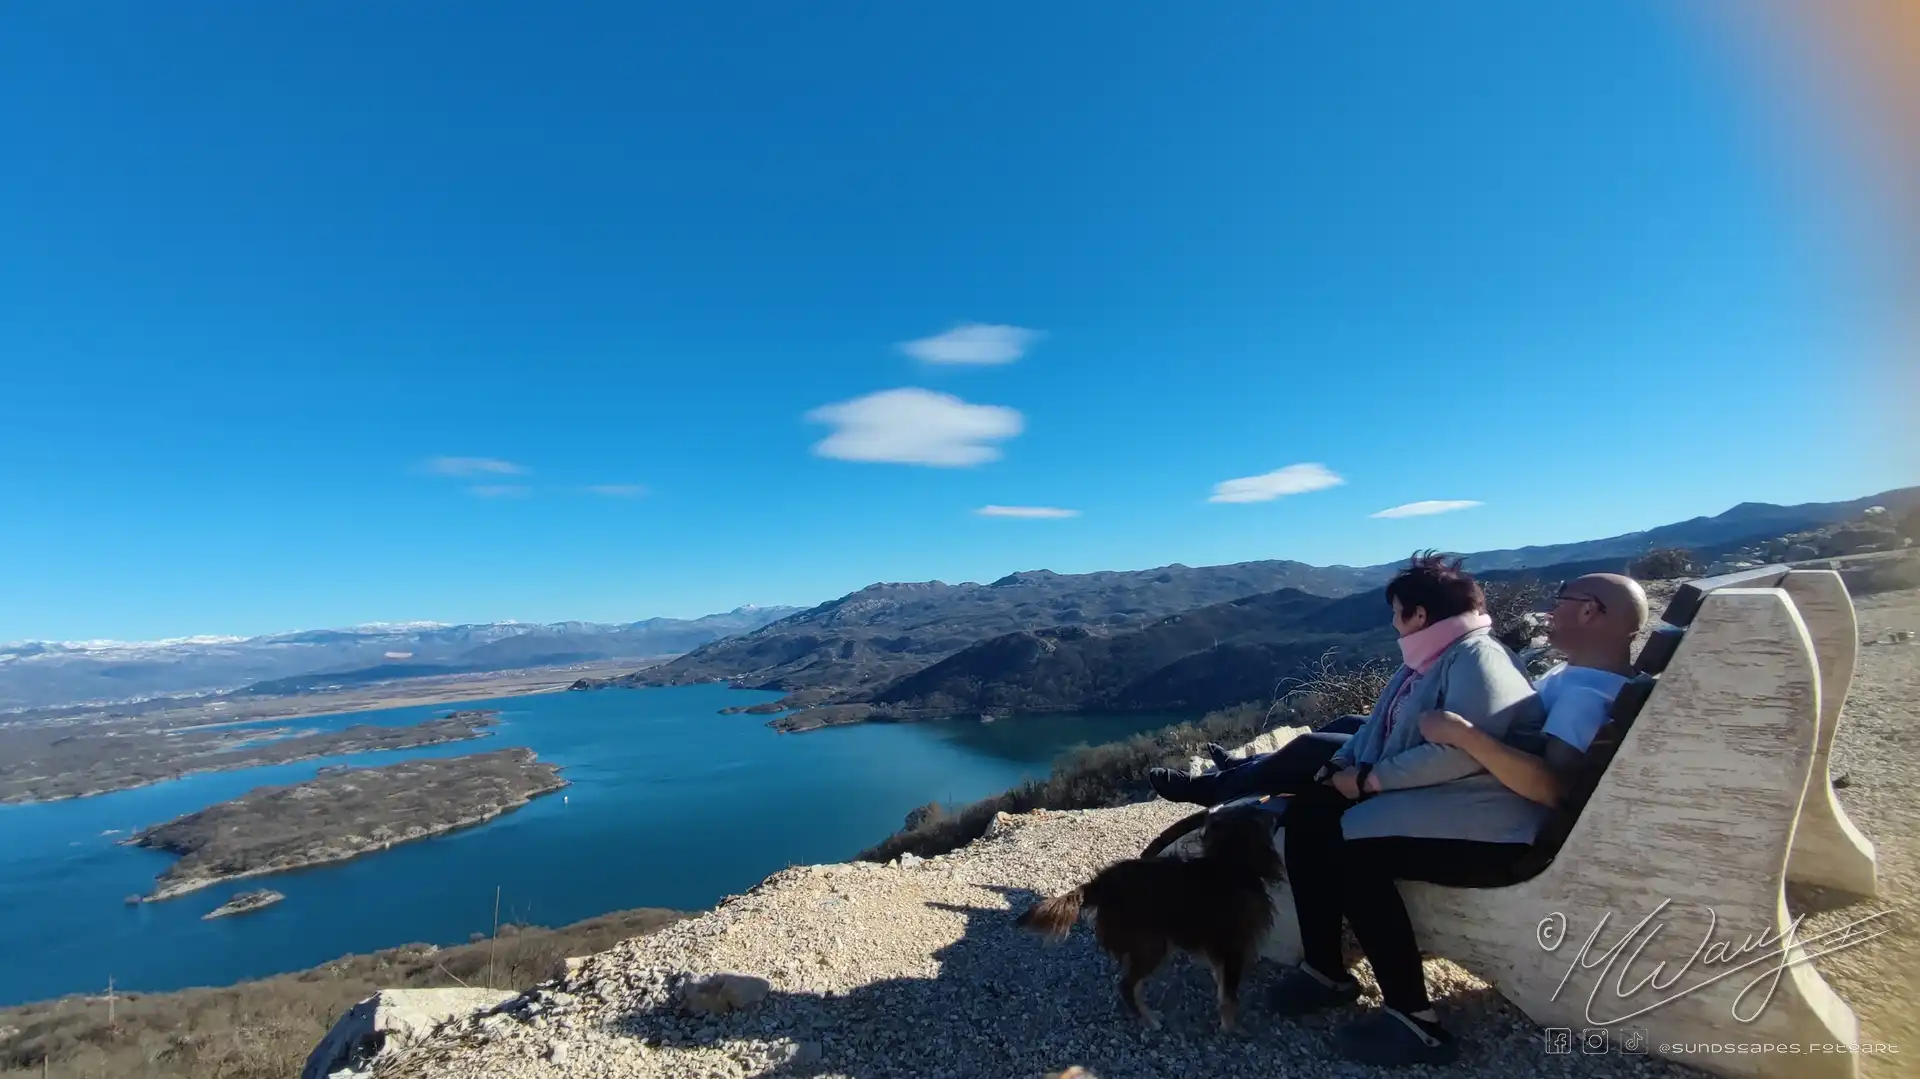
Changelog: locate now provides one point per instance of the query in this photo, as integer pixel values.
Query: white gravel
(880, 971)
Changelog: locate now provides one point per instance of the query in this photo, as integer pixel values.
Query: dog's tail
(1053, 917)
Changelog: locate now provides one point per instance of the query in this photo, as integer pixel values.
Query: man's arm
(1423, 765)
(1490, 691)
(1538, 779)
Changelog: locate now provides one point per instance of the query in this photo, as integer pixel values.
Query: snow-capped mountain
(39, 674)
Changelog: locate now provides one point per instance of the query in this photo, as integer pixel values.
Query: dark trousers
(1332, 876)
(1287, 770)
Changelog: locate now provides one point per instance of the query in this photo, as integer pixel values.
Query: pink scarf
(1421, 648)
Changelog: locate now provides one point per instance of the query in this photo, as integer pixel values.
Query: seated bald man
(1593, 623)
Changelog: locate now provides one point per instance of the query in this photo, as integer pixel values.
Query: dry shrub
(1328, 689)
(1664, 564)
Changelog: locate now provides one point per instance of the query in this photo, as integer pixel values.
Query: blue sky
(329, 313)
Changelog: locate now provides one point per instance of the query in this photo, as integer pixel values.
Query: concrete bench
(1654, 906)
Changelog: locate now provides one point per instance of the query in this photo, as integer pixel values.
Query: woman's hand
(1445, 728)
(1347, 782)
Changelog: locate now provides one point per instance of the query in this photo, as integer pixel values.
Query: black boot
(1176, 786)
(1222, 757)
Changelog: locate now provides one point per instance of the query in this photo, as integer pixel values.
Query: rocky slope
(870, 971)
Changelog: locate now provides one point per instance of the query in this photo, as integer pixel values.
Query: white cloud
(500, 490)
(618, 490)
(1291, 480)
(973, 342)
(1026, 511)
(472, 466)
(1427, 508)
(914, 427)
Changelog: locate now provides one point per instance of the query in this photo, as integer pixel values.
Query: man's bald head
(1595, 618)
(1621, 599)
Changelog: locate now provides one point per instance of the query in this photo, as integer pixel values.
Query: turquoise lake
(671, 805)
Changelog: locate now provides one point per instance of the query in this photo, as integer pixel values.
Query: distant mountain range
(898, 646)
(1177, 638)
(39, 674)
(887, 630)
(1745, 522)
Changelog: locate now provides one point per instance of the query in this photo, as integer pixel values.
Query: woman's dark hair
(1439, 586)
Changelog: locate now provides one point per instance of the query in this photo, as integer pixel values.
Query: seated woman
(1399, 807)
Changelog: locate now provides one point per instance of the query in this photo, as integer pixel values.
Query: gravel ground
(884, 971)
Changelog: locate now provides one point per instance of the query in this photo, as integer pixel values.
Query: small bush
(1516, 607)
(1664, 564)
(923, 815)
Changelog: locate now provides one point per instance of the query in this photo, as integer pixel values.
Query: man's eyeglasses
(1575, 597)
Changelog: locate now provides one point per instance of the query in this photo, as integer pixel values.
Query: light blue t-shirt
(1577, 700)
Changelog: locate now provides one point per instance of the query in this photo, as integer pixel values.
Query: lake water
(671, 805)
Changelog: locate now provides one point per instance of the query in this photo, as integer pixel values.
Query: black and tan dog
(1214, 906)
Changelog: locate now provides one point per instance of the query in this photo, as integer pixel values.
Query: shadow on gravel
(1007, 1003)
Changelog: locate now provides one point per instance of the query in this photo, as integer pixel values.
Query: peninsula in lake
(44, 764)
(342, 813)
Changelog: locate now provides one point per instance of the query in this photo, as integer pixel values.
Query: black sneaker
(1299, 991)
(1222, 757)
(1390, 1038)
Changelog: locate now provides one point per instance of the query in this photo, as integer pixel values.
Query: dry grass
(265, 1029)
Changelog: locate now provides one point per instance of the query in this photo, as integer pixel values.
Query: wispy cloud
(1427, 508)
(973, 342)
(914, 427)
(1026, 511)
(501, 490)
(471, 466)
(1291, 480)
(618, 490)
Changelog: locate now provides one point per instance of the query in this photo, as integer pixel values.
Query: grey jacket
(1436, 791)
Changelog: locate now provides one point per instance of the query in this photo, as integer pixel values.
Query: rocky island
(244, 903)
(340, 814)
